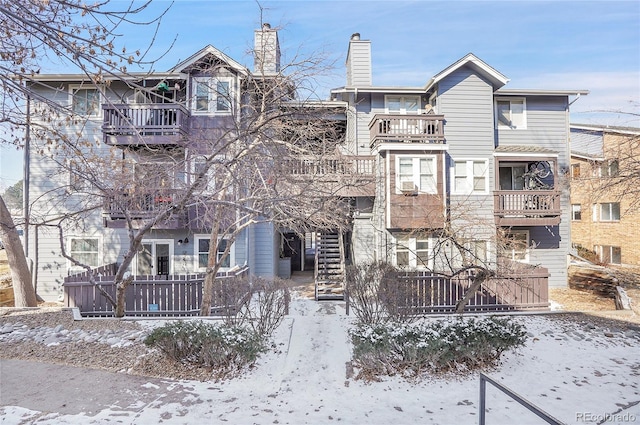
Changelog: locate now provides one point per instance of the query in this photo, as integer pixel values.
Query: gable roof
(210, 50)
(494, 77)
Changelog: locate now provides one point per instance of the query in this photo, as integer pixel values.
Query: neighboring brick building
(605, 207)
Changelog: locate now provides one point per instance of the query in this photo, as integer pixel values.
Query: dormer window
(212, 95)
(511, 113)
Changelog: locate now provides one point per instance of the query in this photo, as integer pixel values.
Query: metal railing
(519, 399)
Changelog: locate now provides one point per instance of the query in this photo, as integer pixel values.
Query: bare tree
(23, 292)
(72, 34)
(274, 160)
(617, 177)
(465, 247)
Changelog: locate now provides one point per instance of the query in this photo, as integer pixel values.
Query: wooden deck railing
(154, 295)
(523, 207)
(406, 128)
(140, 205)
(154, 123)
(423, 292)
(342, 165)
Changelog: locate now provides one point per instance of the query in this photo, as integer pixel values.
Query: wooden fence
(422, 292)
(155, 295)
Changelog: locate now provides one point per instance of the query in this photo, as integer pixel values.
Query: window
(413, 252)
(403, 104)
(208, 185)
(575, 171)
(85, 250)
(202, 252)
(466, 252)
(417, 170)
(607, 169)
(610, 211)
(516, 245)
(212, 95)
(609, 254)
(576, 212)
(85, 101)
(470, 176)
(510, 113)
(512, 176)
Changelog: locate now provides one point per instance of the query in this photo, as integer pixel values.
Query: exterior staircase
(329, 267)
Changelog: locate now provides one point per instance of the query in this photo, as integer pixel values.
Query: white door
(155, 258)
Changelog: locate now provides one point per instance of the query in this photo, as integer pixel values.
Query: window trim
(610, 204)
(196, 253)
(470, 177)
(600, 249)
(511, 100)
(411, 248)
(575, 170)
(74, 267)
(212, 84)
(76, 87)
(576, 212)
(416, 175)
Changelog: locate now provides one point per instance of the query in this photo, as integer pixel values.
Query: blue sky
(576, 45)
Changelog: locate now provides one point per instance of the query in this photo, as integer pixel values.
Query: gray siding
(363, 239)
(466, 101)
(547, 127)
(264, 255)
(359, 63)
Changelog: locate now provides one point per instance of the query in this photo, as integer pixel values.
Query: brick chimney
(359, 62)
(266, 51)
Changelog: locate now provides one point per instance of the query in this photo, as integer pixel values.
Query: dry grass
(587, 302)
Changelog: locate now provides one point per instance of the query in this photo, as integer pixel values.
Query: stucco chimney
(266, 51)
(359, 62)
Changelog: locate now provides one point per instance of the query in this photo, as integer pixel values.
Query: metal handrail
(530, 406)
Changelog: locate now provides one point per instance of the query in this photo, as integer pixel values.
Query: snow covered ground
(573, 370)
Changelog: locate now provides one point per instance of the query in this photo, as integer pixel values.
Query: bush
(225, 349)
(269, 304)
(376, 295)
(258, 303)
(438, 347)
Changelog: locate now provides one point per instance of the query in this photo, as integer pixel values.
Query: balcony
(390, 128)
(342, 175)
(144, 206)
(144, 124)
(527, 207)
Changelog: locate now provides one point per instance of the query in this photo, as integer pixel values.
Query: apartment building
(461, 152)
(604, 206)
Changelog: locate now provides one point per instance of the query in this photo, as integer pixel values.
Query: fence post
(346, 298)
(483, 400)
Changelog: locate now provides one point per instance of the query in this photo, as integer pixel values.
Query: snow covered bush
(459, 345)
(375, 294)
(224, 349)
(269, 304)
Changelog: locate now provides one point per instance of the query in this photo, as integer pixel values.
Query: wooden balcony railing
(406, 128)
(151, 124)
(141, 205)
(527, 207)
(340, 165)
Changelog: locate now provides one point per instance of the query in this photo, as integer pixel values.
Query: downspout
(355, 110)
(25, 176)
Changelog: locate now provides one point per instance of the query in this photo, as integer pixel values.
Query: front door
(154, 258)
